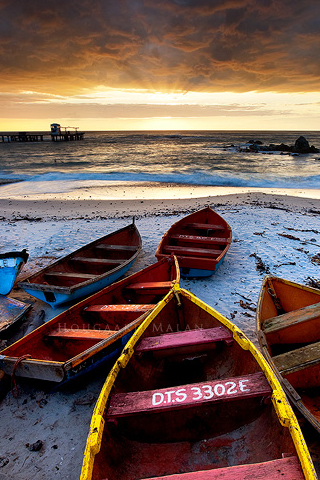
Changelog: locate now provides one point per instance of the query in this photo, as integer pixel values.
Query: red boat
(93, 331)
(200, 241)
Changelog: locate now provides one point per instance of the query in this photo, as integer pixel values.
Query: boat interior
(89, 262)
(191, 399)
(99, 317)
(290, 322)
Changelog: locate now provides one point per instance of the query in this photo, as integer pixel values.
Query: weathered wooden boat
(191, 398)
(10, 266)
(200, 241)
(288, 326)
(86, 270)
(11, 311)
(92, 332)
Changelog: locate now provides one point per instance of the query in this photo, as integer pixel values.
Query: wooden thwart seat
(184, 339)
(97, 261)
(280, 322)
(198, 252)
(86, 276)
(199, 239)
(298, 359)
(128, 248)
(205, 226)
(81, 334)
(120, 308)
(150, 287)
(287, 468)
(184, 396)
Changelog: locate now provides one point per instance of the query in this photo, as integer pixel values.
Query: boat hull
(58, 299)
(191, 397)
(93, 331)
(86, 270)
(11, 311)
(10, 266)
(200, 241)
(288, 327)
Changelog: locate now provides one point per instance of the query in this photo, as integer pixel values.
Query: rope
(14, 386)
(274, 297)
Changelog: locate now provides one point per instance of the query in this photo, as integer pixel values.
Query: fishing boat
(92, 332)
(191, 398)
(10, 266)
(86, 270)
(200, 241)
(288, 326)
(11, 310)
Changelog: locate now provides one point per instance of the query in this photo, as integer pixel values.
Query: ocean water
(178, 158)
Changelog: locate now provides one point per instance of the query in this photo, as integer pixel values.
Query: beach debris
(316, 259)
(247, 306)
(247, 314)
(4, 461)
(312, 230)
(260, 265)
(42, 402)
(290, 237)
(283, 264)
(311, 282)
(35, 447)
(85, 400)
(240, 295)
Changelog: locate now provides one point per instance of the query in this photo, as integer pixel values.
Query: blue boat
(86, 270)
(10, 266)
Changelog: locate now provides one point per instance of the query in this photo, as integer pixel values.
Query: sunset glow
(174, 65)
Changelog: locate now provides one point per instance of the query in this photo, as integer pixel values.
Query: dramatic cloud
(173, 45)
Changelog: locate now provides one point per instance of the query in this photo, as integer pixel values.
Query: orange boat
(288, 326)
(92, 332)
(200, 241)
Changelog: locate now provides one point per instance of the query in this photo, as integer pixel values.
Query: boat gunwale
(282, 408)
(99, 346)
(213, 261)
(291, 392)
(29, 285)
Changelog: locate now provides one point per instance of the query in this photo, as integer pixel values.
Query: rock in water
(302, 145)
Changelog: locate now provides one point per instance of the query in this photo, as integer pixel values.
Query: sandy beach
(275, 232)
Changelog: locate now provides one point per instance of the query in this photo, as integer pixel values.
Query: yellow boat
(191, 398)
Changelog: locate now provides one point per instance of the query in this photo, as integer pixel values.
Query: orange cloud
(182, 45)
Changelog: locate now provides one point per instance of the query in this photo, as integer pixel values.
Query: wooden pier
(21, 137)
(68, 136)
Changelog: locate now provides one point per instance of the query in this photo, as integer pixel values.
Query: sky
(160, 65)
